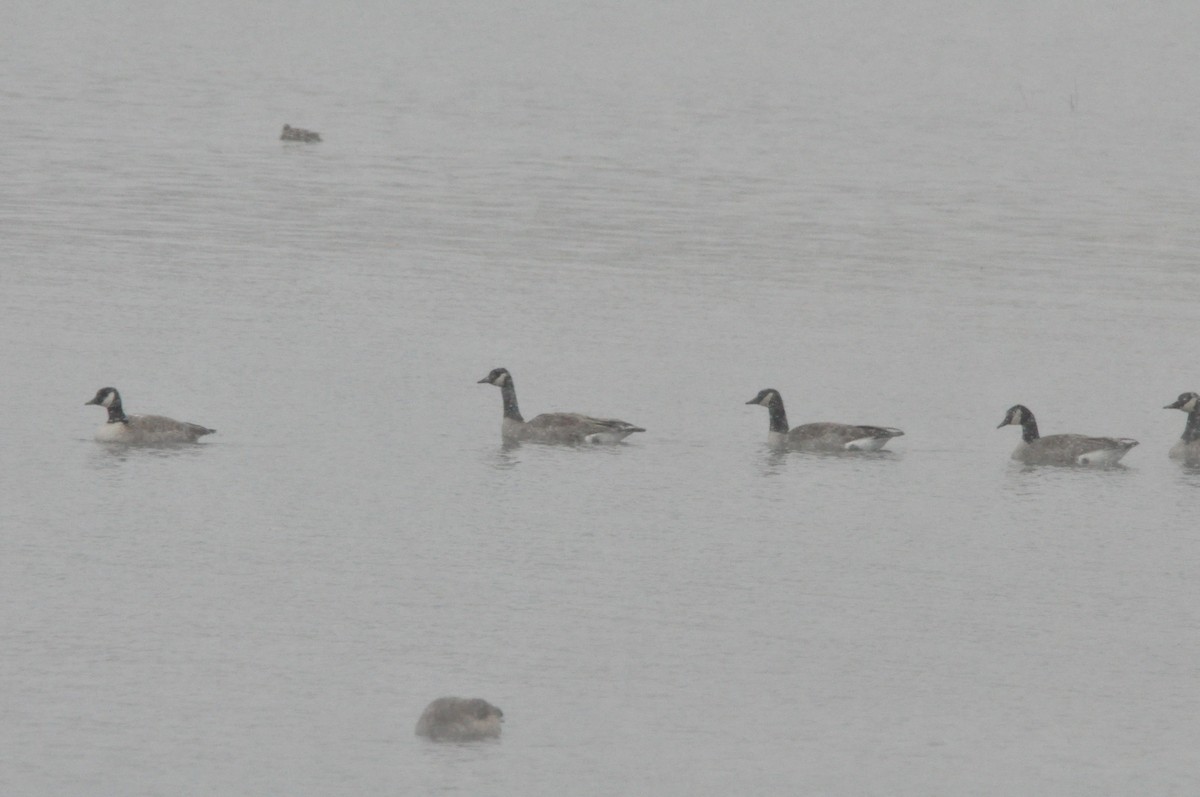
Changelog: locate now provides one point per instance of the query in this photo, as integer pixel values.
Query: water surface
(911, 216)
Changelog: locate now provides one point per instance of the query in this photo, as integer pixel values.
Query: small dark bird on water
(299, 134)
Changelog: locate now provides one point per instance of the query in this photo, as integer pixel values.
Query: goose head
(1188, 402)
(1016, 416)
(498, 377)
(766, 397)
(105, 397)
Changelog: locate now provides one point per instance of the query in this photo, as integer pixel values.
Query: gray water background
(907, 214)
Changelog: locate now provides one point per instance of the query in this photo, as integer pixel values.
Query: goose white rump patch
(1103, 457)
(867, 444)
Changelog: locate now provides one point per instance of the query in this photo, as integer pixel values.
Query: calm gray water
(908, 214)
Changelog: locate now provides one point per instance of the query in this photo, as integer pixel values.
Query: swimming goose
(459, 719)
(553, 427)
(1188, 447)
(141, 429)
(1062, 449)
(299, 134)
(820, 436)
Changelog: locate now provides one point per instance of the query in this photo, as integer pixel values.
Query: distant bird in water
(553, 427)
(1062, 449)
(820, 436)
(1188, 447)
(299, 134)
(141, 429)
(460, 719)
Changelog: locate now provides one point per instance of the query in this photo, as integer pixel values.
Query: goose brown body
(141, 429)
(553, 427)
(1062, 449)
(821, 436)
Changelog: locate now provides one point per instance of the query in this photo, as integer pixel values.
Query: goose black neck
(509, 394)
(1029, 430)
(116, 414)
(778, 416)
(1191, 432)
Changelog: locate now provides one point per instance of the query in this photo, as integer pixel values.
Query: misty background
(911, 215)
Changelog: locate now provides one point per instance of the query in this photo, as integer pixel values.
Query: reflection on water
(1025, 481)
(507, 456)
(107, 455)
(1189, 474)
(773, 461)
(776, 458)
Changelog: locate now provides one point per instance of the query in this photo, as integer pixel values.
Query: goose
(1188, 447)
(460, 719)
(1062, 449)
(820, 436)
(299, 134)
(553, 427)
(141, 429)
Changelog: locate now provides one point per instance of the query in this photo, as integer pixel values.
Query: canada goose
(1062, 449)
(299, 134)
(553, 427)
(141, 429)
(460, 719)
(820, 436)
(1188, 447)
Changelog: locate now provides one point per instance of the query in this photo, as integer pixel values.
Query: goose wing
(840, 436)
(160, 427)
(1068, 448)
(884, 432)
(577, 426)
